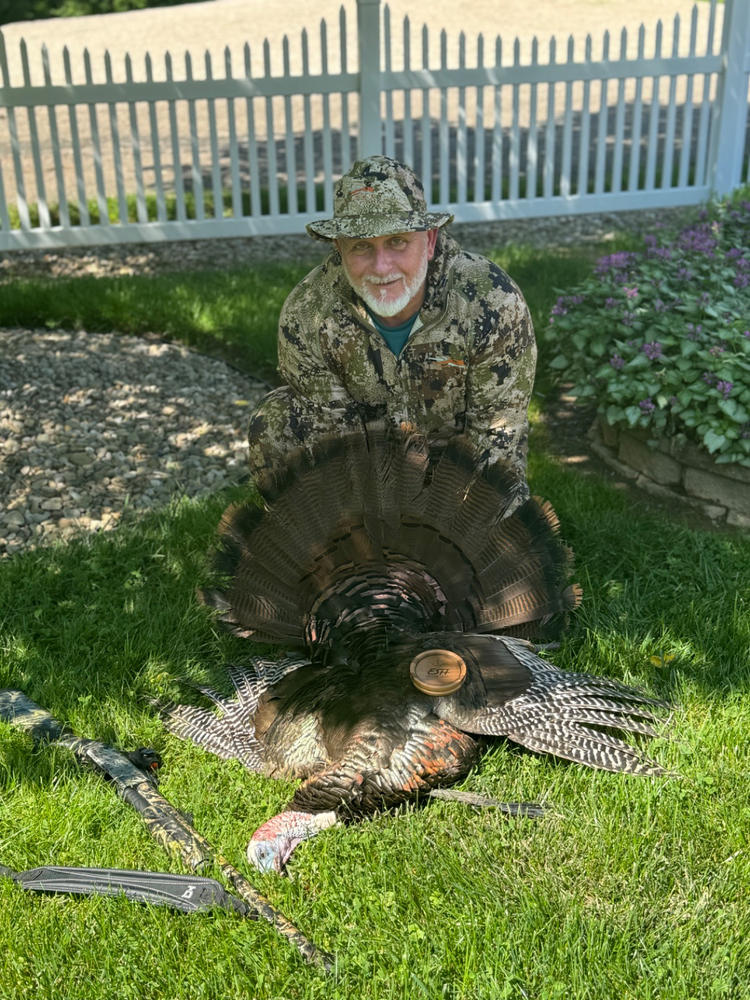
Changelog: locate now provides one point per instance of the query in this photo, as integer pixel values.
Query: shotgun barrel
(165, 823)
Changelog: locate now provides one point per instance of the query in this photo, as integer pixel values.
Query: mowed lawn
(627, 889)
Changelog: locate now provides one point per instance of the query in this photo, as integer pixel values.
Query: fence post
(368, 42)
(727, 144)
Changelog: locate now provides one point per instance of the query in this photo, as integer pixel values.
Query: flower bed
(660, 338)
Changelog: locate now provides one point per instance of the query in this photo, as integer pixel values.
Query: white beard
(378, 302)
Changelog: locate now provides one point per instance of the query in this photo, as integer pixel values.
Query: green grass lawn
(628, 889)
(231, 314)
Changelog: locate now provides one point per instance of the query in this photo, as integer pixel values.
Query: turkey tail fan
(376, 530)
(510, 570)
(278, 558)
(512, 692)
(524, 568)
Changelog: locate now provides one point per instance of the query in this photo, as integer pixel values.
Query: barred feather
(374, 549)
(565, 714)
(230, 734)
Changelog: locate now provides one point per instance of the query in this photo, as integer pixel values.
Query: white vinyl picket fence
(164, 152)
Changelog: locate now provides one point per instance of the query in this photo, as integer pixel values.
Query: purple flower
(652, 350)
(610, 303)
(558, 309)
(654, 250)
(724, 388)
(616, 361)
(563, 301)
(631, 293)
(742, 281)
(615, 262)
(701, 239)
(708, 378)
(646, 405)
(685, 274)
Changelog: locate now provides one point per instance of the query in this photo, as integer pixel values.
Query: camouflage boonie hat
(378, 196)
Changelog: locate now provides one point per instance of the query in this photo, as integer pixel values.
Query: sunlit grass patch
(627, 888)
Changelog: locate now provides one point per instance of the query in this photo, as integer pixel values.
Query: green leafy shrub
(28, 10)
(660, 337)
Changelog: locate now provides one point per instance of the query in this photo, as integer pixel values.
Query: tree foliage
(31, 10)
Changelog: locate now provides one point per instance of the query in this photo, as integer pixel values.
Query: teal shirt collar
(394, 336)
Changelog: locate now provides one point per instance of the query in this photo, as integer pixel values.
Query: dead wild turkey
(371, 552)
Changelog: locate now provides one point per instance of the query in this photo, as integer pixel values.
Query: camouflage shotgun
(165, 823)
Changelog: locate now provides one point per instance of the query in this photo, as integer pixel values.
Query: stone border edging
(675, 471)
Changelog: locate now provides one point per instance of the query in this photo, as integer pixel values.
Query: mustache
(374, 279)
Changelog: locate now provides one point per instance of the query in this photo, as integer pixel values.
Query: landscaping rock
(720, 489)
(677, 471)
(155, 420)
(712, 511)
(659, 467)
(689, 454)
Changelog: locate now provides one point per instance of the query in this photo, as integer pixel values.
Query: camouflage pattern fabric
(165, 823)
(468, 365)
(376, 197)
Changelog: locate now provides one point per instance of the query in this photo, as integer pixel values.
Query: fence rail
(160, 152)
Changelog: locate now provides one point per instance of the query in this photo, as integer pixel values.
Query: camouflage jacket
(468, 364)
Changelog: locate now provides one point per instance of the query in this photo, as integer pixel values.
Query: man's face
(388, 272)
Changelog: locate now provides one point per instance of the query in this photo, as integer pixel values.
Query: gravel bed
(94, 426)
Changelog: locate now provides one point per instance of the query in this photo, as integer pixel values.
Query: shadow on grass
(95, 629)
(230, 314)
(664, 603)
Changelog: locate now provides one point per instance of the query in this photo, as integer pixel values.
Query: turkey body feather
(361, 736)
(372, 551)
